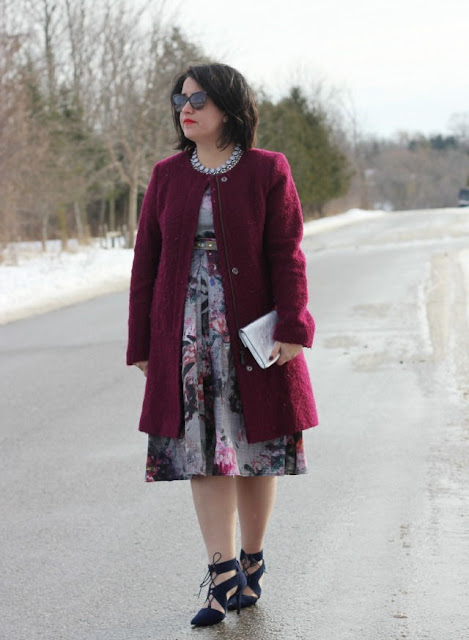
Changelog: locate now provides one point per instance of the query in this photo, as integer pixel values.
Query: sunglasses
(197, 100)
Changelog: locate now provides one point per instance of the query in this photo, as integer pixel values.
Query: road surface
(371, 545)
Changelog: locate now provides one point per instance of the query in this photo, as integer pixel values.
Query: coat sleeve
(287, 264)
(144, 269)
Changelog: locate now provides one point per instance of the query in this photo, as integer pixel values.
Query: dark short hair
(231, 94)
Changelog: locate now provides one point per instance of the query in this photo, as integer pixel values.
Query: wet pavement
(371, 545)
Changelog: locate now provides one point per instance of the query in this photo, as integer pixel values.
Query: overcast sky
(405, 62)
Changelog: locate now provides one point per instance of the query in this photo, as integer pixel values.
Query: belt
(205, 243)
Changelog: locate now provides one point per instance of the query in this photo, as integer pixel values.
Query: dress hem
(228, 475)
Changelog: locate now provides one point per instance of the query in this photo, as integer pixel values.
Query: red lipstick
(188, 121)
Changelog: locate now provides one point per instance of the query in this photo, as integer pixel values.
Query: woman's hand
(287, 351)
(143, 366)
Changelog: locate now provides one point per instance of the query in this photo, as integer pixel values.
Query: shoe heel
(238, 602)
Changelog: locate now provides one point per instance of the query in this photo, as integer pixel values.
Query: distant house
(463, 198)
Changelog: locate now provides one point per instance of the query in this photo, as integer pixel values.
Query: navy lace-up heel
(208, 615)
(249, 560)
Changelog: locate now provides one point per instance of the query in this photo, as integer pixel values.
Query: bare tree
(84, 109)
(350, 134)
(137, 68)
(22, 144)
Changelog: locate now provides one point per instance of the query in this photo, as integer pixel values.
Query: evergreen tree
(301, 131)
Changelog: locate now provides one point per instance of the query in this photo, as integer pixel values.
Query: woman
(218, 247)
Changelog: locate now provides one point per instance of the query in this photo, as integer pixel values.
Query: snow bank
(340, 220)
(34, 282)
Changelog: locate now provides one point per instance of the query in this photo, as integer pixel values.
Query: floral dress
(213, 439)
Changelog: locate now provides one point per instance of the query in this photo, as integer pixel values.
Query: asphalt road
(371, 545)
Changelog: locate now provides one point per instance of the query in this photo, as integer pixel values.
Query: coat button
(224, 179)
(249, 368)
(235, 271)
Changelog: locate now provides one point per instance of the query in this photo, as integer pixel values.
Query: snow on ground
(332, 222)
(32, 281)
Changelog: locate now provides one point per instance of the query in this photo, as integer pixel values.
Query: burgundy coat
(263, 228)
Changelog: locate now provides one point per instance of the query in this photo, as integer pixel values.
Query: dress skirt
(213, 439)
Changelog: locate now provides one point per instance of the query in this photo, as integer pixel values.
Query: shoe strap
(253, 577)
(223, 567)
(218, 567)
(254, 558)
(219, 591)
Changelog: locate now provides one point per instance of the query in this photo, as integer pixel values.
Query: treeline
(414, 171)
(85, 113)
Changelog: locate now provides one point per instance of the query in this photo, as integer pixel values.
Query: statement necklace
(226, 166)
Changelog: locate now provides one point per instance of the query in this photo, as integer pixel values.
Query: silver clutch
(258, 337)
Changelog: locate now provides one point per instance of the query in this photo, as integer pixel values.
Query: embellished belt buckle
(206, 244)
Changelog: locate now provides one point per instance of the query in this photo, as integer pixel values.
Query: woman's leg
(255, 498)
(215, 504)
